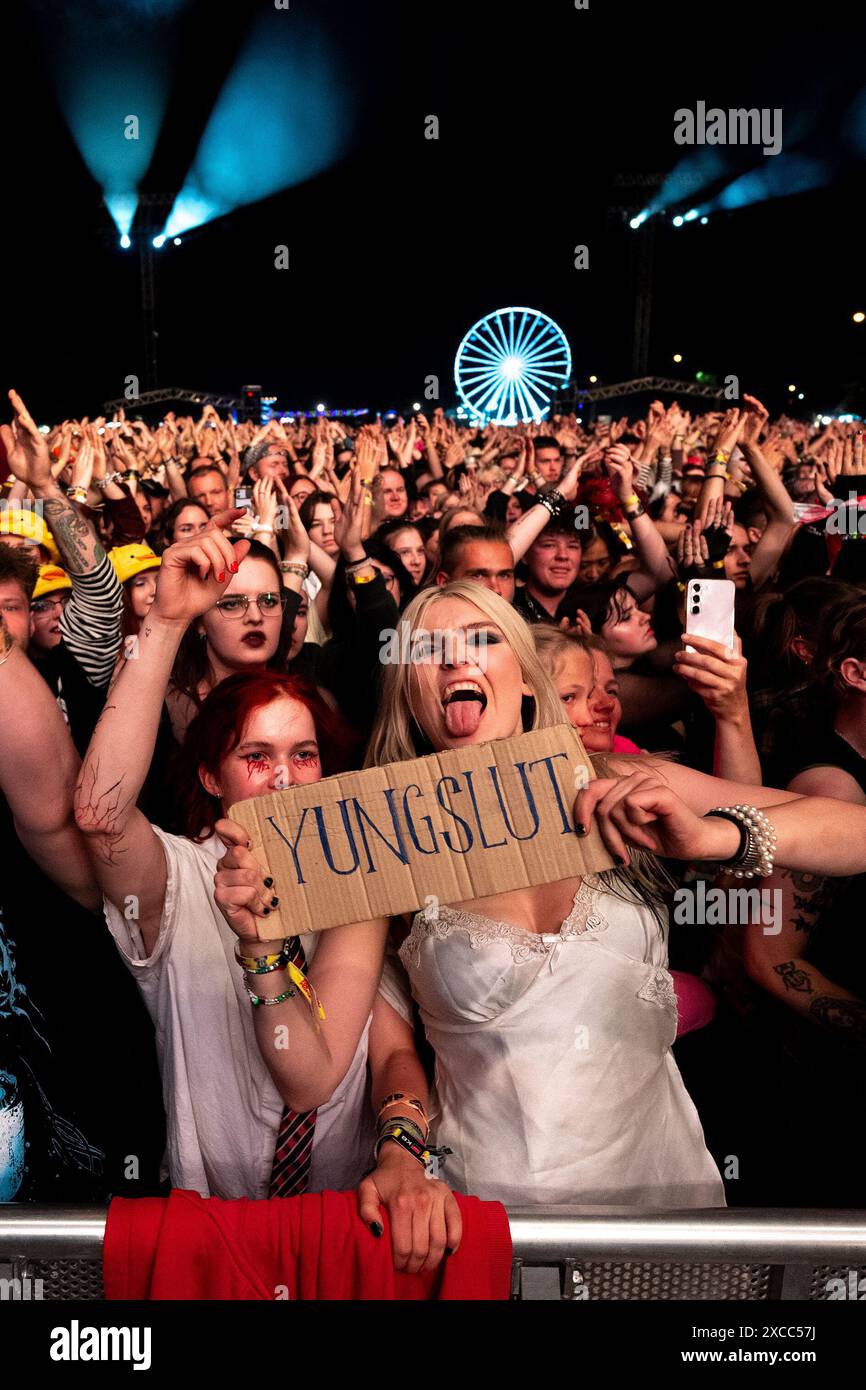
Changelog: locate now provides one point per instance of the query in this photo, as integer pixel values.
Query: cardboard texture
(457, 825)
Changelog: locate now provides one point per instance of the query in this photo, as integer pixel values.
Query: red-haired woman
(238, 1106)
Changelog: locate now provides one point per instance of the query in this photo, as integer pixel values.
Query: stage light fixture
(177, 241)
(159, 241)
(320, 408)
(704, 221)
(416, 405)
(691, 215)
(678, 357)
(792, 388)
(800, 396)
(126, 241)
(593, 380)
(678, 221)
(859, 316)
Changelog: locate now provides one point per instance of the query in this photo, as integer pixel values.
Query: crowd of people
(196, 612)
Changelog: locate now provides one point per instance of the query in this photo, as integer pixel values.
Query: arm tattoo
(846, 1018)
(793, 977)
(76, 539)
(810, 894)
(100, 811)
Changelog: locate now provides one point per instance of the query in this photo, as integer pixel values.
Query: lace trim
(585, 916)
(659, 989)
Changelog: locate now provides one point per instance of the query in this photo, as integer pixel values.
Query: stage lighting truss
(510, 364)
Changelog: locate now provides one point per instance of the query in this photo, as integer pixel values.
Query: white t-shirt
(222, 1108)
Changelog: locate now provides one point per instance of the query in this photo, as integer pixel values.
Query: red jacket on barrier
(312, 1247)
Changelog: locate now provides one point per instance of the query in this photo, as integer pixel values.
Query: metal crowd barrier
(559, 1253)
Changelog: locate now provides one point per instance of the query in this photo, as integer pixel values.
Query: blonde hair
(391, 740)
(644, 879)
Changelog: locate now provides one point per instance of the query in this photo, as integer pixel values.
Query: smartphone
(244, 497)
(710, 610)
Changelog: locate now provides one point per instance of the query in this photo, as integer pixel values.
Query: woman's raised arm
(126, 853)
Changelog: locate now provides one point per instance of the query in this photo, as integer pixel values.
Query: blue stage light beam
(284, 115)
(781, 177)
(108, 61)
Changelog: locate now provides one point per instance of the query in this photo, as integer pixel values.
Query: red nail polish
(221, 576)
(234, 566)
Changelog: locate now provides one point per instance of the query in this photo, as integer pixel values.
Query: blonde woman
(550, 1009)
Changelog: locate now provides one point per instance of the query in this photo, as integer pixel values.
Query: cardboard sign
(457, 825)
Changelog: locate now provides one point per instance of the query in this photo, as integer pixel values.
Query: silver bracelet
(755, 859)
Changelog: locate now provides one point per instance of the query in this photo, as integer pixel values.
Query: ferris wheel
(509, 365)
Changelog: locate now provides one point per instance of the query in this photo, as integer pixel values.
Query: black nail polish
(269, 883)
(619, 859)
(267, 911)
(581, 828)
(448, 1250)
(275, 902)
(377, 1229)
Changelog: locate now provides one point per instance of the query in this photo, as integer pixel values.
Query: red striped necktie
(294, 1151)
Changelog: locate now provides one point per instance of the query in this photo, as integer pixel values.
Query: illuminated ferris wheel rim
(508, 376)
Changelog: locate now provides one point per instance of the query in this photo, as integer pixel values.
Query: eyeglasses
(42, 605)
(236, 605)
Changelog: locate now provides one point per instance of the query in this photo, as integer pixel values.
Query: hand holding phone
(710, 610)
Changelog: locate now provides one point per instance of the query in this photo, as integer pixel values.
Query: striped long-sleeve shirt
(91, 621)
(80, 667)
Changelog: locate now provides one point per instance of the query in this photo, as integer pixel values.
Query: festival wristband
(415, 1103)
(403, 1121)
(397, 1135)
(255, 964)
(299, 978)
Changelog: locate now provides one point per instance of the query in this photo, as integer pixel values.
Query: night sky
(403, 242)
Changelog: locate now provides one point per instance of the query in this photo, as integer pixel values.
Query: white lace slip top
(555, 1082)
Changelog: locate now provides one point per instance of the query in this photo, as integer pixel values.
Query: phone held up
(710, 610)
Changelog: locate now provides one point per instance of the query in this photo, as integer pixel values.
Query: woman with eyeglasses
(248, 629)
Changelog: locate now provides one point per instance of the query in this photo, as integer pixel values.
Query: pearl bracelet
(754, 859)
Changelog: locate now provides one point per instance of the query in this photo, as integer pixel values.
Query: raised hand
(294, 538)
(716, 674)
(27, 452)
(618, 462)
(692, 552)
(755, 418)
(350, 521)
(195, 573)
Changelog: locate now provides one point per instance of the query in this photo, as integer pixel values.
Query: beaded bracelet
(754, 858)
(257, 999)
(553, 501)
(290, 567)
